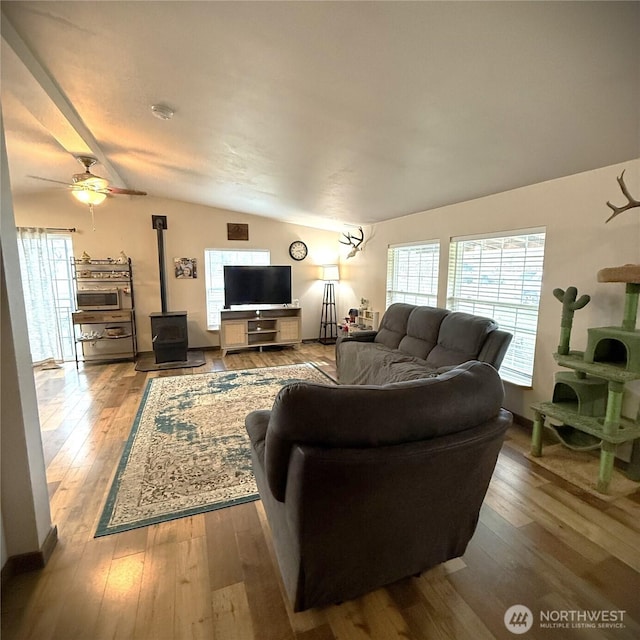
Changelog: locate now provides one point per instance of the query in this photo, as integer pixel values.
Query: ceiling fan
(91, 189)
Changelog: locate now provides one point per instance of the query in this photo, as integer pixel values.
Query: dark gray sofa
(413, 342)
(365, 485)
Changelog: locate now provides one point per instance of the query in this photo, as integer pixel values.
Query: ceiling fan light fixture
(89, 181)
(89, 196)
(162, 112)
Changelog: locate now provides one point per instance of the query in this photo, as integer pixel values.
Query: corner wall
(578, 245)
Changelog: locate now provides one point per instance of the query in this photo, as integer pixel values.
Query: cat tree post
(632, 291)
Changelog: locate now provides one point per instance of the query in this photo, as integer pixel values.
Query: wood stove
(169, 334)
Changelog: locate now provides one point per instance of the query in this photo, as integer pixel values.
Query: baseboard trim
(31, 561)
(522, 421)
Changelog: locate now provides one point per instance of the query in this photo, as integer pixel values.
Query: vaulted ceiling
(320, 113)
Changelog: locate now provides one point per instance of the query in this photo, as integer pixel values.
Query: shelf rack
(90, 340)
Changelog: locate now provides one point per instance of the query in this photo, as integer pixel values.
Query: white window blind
(214, 261)
(501, 278)
(412, 273)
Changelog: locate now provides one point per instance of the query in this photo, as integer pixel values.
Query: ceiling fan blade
(49, 180)
(125, 192)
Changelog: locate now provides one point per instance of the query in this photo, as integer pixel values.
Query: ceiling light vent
(162, 112)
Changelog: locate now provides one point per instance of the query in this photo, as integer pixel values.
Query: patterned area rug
(188, 451)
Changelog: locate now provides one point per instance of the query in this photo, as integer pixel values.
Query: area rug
(581, 469)
(188, 451)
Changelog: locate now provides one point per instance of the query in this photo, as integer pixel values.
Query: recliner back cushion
(423, 328)
(461, 338)
(393, 326)
(373, 416)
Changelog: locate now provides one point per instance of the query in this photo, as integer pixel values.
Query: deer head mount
(632, 202)
(354, 241)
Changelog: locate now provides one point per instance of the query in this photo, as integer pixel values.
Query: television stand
(246, 328)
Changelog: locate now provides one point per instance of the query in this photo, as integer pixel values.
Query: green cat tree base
(589, 399)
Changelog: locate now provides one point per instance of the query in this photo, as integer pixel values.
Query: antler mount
(631, 201)
(353, 241)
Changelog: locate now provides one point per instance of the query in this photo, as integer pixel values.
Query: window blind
(412, 273)
(501, 277)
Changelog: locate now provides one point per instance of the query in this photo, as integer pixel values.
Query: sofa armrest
(495, 347)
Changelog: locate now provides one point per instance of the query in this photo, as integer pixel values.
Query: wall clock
(298, 250)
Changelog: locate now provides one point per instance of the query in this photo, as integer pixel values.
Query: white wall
(26, 517)
(124, 224)
(578, 245)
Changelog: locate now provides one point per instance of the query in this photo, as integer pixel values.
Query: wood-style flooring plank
(268, 611)
(223, 561)
(451, 613)
(84, 598)
(231, 614)
(155, 616)
(117, 615)
(193, 617)
(318, 633)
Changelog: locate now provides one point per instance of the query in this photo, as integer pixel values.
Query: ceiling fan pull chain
(93, 221)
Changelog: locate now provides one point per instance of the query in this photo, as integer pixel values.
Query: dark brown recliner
(365, 485)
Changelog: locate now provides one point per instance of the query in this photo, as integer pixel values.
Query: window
(412, 273)
(214, 261)
(45, 262)
(501, 277)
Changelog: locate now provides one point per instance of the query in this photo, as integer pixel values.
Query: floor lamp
(329, 318)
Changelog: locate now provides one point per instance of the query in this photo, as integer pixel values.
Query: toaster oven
(98, 299)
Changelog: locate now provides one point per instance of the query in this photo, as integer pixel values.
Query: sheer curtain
(37, 266)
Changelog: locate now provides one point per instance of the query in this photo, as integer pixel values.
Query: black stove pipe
(160, 224)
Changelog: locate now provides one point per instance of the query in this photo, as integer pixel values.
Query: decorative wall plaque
(237, 231)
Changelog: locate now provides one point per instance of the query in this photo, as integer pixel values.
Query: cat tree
(587, 401)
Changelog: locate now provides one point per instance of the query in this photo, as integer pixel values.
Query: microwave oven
(98, 299)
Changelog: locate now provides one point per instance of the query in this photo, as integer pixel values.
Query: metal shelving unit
(105, 335)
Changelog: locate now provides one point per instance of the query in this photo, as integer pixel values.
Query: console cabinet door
(289, 329)
(234, 333)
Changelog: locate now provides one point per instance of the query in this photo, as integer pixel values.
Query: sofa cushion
(423, 327)
(460, 339)
(393, 326)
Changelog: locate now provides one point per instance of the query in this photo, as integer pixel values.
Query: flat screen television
(256, 285)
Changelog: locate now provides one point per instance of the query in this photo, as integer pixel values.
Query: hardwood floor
(540, 542)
